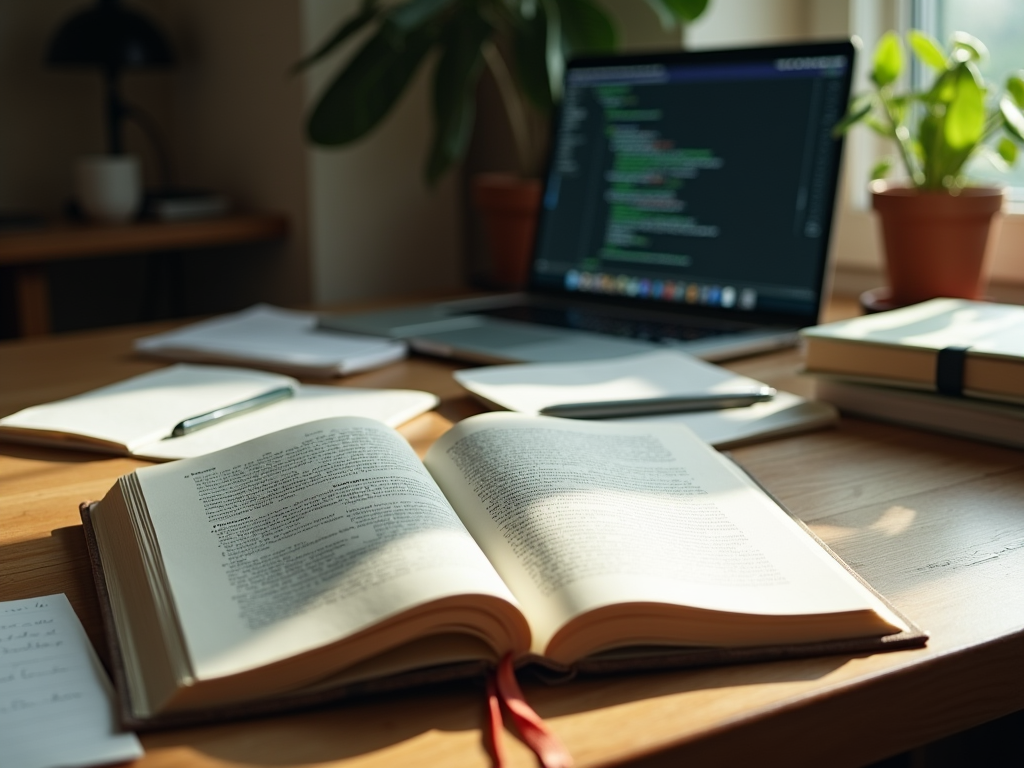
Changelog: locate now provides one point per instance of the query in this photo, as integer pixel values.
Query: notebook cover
(614, 662)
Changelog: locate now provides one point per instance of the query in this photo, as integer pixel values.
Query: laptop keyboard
(584, 320)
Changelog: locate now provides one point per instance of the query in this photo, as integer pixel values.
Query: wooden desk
(28, 250)
(935, 523)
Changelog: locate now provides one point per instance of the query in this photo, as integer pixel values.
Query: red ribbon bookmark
(503, 688)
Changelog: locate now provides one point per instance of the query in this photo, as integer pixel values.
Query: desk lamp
(112, 38)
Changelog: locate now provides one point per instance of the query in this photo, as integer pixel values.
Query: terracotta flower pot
(508, 206)
(935, 242)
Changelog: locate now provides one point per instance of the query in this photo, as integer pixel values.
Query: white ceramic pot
(109, 187)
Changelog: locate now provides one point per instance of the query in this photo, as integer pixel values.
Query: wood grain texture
(74, 241)
(32, 295)
(935, 523)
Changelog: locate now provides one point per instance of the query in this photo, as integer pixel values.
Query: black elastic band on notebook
(949, 371)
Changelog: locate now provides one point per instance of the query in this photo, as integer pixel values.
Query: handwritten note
(56, 705)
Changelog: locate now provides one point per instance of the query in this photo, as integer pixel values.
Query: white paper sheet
(56, 703)
(528, 387)
(275, 338)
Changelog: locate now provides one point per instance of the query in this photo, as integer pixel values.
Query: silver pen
(229, 411)
(676, 404)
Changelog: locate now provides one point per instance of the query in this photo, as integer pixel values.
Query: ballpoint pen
(229, 411)
(647, 406)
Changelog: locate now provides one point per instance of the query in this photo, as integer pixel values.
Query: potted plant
(523, 43)
(936, 224)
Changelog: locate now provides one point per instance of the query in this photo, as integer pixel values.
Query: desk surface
(935, 523)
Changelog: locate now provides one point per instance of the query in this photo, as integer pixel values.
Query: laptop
(688, 204)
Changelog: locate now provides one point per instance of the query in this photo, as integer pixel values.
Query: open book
(326, 558)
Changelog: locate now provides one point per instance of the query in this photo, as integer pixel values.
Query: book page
(56, 703)
(289, 542)
(580, 515)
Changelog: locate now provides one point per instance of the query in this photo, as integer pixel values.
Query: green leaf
(554, 53)
(876, 125)
(881, 169)
(1015, 87)
(1013, 117)
(365, 90)
(416, 12)
(898, 108)
(943, 89)
(888, 60)
(531, 67)
(367, 13)
(586, 28)
(967, 47)
(455, 81)
(965, 116)
(929, 148)
(860, 107)
(927, 49)
(685, 10)
(665, 16)
(1007, 150)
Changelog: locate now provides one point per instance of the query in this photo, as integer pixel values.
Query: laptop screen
(706, 179)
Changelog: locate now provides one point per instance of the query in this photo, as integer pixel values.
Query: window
(1000, 25)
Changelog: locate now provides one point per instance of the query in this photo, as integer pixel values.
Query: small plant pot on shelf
(935, 242)
(508, 206)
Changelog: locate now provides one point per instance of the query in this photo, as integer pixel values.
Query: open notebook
(654, 377)
(137, 416)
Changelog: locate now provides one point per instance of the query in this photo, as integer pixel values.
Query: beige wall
(749, 22)
(236, 126)
(48, 117)
(377, 229)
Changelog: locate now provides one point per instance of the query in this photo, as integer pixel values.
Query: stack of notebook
(947, 365)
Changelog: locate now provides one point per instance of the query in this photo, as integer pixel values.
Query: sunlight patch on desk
(894, 521)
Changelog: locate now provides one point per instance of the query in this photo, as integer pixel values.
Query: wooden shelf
(27, 251)
(73, 241)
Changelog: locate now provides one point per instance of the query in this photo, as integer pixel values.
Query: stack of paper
(139, 415)
(668, 379)
(279, 339)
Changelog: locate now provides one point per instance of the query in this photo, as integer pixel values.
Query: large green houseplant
(936, 223)
(523, 43)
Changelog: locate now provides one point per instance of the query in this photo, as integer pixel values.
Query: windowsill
(853, 281)
(859, 266)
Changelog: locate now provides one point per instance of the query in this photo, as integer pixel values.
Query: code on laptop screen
(709, 183)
